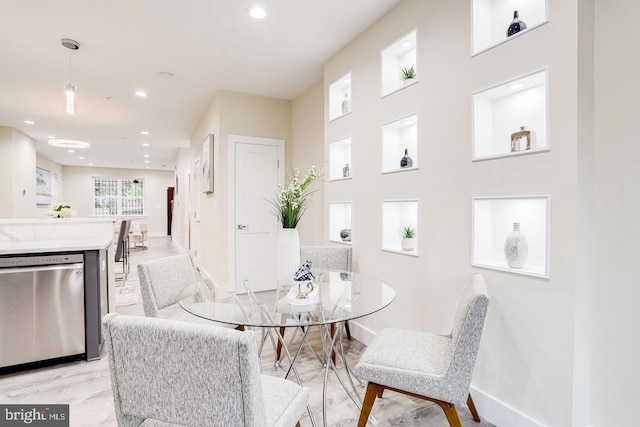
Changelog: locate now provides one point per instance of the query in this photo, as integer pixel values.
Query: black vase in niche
(406, 162)
(516, 25)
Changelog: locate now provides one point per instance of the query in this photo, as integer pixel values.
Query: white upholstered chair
(166, 373)
(433, 367)
(163, 282)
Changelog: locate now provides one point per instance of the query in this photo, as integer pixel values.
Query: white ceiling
(207, 45)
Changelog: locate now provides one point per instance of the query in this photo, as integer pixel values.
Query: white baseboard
(491, 409)
(499, 413)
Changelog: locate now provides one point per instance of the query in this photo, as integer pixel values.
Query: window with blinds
(113, 196)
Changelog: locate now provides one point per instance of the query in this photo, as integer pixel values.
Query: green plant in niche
(408, 73)
(408, 232)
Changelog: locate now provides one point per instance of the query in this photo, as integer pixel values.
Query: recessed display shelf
(340, 97)
(496, 246)
(491, 20)
(396, 215)
(340, 166)
(512, 118)
(400, 145)
(340, 222)
(398, 61)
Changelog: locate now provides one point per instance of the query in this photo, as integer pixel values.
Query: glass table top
(332, 297)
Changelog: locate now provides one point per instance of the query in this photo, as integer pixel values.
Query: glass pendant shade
(70, 99)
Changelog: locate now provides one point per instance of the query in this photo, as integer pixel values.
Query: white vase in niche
(288, 255)
(516, 247)
(408, 243)
(346, 104)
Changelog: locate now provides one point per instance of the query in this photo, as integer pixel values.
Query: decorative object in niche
(406, 161)
(346, 171)
(521, 140)
(61, 210)
(516, 25)
(516, 248)
(346, 104)
(345, 234)
(408, 75)
(408, 238)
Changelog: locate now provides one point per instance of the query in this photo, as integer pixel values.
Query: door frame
(232, 140)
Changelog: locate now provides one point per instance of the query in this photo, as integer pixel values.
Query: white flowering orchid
(290, 202)
(61, 210)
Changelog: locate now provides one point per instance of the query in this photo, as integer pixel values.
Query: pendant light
(69, 89)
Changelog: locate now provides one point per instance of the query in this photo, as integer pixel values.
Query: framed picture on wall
(207, 164)
(43, 186)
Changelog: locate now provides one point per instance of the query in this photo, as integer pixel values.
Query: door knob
(242, 226)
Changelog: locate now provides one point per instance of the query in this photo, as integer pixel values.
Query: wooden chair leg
(240, 328)
(332, 331)
(347, 329)
(451, 412)
(298, 424)
(369, 398)
(279, 346)
(472, 409)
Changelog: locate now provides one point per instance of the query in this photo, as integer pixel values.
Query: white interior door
(257, 175)
(196, 198)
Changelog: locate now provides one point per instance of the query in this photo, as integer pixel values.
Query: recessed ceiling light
(145, 145)
(147, 167)
(90, 164)
(146, 155)
(68, 143)
(257, 12)
(51, 137)
(141, 94)
(30, 122)
(72, 151)
(144, 132)
(147, 161)
(81, 158)
(515, 86)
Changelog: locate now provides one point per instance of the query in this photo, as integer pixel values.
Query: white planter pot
(408, 244)
(288, 255)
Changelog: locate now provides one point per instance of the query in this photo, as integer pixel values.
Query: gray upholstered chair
(322, 258)
(433, 367)
(163, 282)
(168, 373)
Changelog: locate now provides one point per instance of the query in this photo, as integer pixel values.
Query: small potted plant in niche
(408, 75)
(408, 238)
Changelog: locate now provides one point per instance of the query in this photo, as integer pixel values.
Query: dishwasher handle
(42, 268)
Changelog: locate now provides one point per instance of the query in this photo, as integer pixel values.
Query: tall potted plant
(289, 204)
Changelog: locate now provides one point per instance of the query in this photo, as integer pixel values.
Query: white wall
(18, 165)
(307, 149)
(616, 318)
(526, 357)
(78, 190)
(230, 113)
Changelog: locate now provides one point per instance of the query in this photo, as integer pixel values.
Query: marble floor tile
(86, 386)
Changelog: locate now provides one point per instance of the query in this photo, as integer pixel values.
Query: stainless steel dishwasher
(41, 308)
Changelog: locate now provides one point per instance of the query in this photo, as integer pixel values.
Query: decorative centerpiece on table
(289, 205)
(61, 210)
(303, 291)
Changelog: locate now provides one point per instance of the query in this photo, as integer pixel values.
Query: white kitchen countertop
(42, 246)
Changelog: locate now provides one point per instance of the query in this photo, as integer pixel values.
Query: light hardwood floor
(86, 386)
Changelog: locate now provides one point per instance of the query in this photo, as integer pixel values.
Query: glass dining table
(330, 300)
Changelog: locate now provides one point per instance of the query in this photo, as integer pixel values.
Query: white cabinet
(502, 111)
(398, 136)
(397, 60)
(494, 219)
(491, 19)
